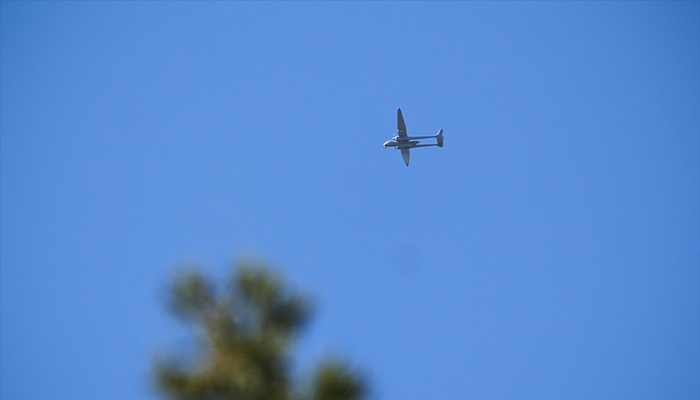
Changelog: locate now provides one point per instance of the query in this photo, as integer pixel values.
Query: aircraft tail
(440, 139)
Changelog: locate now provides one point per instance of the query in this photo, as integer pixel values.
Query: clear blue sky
(551, 249)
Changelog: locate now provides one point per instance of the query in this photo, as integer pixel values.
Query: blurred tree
(245, 331)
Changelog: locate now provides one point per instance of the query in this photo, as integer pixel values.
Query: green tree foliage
(244, 334)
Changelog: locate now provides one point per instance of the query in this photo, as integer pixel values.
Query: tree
(244, 334)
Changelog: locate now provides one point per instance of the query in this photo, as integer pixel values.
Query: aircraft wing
(406, 154)
(401, 126)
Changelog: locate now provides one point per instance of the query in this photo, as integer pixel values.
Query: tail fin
(440, 139)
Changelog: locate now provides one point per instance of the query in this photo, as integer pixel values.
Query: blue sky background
(551, 249)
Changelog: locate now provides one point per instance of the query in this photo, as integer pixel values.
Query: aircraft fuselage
(401, 144)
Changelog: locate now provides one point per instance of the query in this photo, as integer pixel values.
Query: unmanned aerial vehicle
(405, 143)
